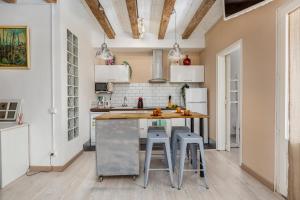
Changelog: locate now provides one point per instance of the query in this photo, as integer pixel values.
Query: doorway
(229, 99)
(232, 66)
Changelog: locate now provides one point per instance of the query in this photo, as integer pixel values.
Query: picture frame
(14, 47)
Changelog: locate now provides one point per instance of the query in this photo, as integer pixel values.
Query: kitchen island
(117, 141)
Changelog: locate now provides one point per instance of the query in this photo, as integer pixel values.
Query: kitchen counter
(165, 115)
(126, 109)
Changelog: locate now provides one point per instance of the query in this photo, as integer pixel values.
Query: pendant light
(103, 52)
(175, 53)
(141, 27)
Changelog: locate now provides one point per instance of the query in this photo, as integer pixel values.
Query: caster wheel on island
(133, 178)
(100, 179)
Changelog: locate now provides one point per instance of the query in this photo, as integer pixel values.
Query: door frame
(282, 98)
(220, 95)
(227, 104)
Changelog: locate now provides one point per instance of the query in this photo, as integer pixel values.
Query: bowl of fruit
(186, 113)
(157, 112)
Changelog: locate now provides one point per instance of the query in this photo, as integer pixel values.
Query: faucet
(124, 102)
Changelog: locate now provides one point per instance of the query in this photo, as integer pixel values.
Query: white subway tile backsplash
(153, 94)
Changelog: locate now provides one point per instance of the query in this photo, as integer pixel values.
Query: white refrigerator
(196, 101)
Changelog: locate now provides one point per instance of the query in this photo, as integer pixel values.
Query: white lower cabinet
(93, 126)
(143, 126)
(178, 122)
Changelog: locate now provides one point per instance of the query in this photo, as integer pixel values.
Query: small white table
(14, 152)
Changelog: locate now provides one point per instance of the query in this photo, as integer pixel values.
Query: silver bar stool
(184, 140)
(157, 135)
(174, 131)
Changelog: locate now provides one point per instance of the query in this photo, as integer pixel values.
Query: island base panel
(117, 147)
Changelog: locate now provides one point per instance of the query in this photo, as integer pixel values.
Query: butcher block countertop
(128, 109)
(164, 115)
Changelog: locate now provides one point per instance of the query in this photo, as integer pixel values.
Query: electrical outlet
(52, 111)
(52, 154)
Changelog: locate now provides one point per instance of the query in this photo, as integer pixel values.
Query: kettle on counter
(110, 87)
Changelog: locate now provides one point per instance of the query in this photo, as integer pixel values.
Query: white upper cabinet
(187, 73)
(112, 73)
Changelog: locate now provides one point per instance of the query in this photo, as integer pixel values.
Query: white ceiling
(151, 11)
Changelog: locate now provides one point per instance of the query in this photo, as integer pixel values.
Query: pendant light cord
(175, 26)
(100, 8)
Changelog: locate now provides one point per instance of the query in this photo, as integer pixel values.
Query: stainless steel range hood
(157, 67)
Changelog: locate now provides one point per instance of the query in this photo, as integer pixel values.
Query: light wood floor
(226, 180)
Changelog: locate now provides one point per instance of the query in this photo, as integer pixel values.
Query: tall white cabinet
(14, 153)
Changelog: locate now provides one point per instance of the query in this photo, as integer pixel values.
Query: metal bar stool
(184, 140)
(174, 131)
(157, 135)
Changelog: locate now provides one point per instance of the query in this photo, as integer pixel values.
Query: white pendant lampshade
(141, 27)
(175, 53)
(104, 53)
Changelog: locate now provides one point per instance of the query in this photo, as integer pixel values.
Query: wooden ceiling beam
(101, 17)
(197, 18)
(165, 18)
(51, 1)
(15, 1)
(10, 1)
(133, 16)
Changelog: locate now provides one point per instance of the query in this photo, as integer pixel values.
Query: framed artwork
(14, 47)
(9, 109)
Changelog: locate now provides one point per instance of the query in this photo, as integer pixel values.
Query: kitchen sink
(121, 107)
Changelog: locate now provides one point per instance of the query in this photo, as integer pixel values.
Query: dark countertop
(125, 109)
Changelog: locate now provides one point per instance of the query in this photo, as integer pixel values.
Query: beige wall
(141, 63)
(257, 29)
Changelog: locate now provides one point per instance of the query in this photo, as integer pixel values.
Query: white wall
(150, 43)
(74, 16)
(32, 85)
